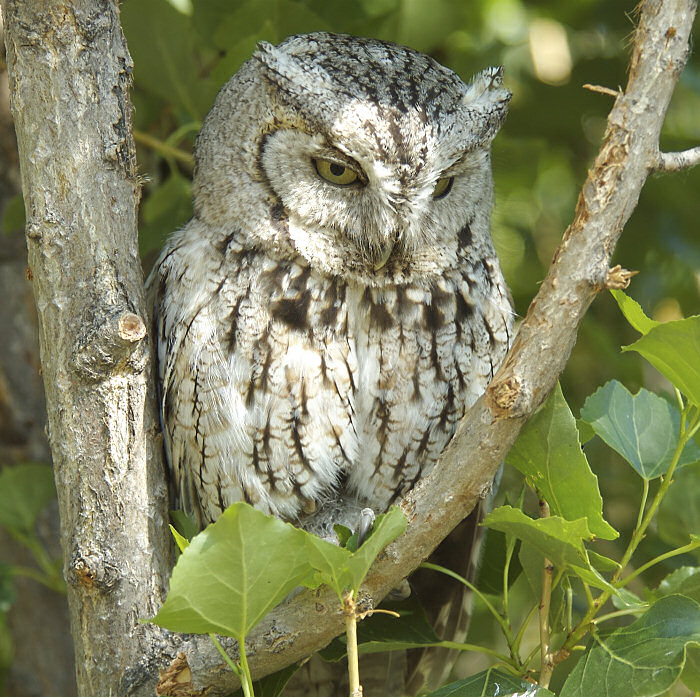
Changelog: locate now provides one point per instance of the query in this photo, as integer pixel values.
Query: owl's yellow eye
(335, 173)
(442, 187)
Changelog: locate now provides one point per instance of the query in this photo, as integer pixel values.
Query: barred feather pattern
(321, 330)
(285, 388)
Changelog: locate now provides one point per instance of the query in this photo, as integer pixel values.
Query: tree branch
(69, 72)
(69, 69)
(676, 161)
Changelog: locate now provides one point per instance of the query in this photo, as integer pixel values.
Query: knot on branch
(92, 571)
(176, 679)
(508, 397)
(115, 345)
(618, 278)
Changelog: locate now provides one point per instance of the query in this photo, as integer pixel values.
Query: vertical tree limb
(69, 78)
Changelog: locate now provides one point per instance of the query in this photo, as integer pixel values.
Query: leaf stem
(35, 575)
(350, 612)
(620, 613)
(505, 627)
(521, 632)
(685, 434)
(52, 577)
(448, 572)
(247, 682)
(474, 647)
(510, 548)
(691, 546)
(643, 504)
(242, 671)
(641, 528)
(546, 664)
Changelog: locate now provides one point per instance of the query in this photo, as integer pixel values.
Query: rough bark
(69, 79)
(69, 68)
(42, 662)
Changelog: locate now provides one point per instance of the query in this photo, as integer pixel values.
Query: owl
(335, 305)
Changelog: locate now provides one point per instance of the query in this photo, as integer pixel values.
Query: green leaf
(685, 581)
(496, 546)
(585, 431)
(633, 312)
(673, 348)
(644, 428)
(344, 570)
(271, 685)
(233, 573)
(691, 670)
(532, 561)
(602, 563)
(184, 524)
(644, 658)
(549, 454)
(343, 534)
(558, 539)
(679, 512)
(491, 683)
(180, 540)
(25, 490)
(162, 44)
(626, 600)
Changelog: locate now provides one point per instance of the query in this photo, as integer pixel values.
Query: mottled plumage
(335, 305)
(318, 342)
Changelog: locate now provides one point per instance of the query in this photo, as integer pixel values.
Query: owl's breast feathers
(291, 390)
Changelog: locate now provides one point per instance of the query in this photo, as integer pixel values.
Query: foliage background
(184, 50)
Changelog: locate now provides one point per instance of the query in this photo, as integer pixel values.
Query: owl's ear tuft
(285, 71)
(485, 105)
(486, 88)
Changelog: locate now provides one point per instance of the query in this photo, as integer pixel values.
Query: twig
(164, 148)
(602, 90)
(676, 161)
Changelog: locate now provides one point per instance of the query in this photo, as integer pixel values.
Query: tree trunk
(69, 83)
(42, 662)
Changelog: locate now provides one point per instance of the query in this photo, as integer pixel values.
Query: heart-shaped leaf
(644, 428)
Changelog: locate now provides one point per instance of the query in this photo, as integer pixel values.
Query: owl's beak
(383, 256)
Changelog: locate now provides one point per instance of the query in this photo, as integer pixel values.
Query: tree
(70, 72)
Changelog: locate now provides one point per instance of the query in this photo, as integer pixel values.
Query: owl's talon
(367, 518)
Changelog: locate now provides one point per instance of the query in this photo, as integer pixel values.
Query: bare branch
(602, 90)
(676, 161)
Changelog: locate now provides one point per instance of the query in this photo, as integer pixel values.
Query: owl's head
(366, 158)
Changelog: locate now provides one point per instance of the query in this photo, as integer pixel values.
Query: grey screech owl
(335, 304)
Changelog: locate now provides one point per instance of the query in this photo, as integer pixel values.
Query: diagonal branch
(69, 73)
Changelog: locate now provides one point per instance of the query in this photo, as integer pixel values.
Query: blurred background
(183, 52)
